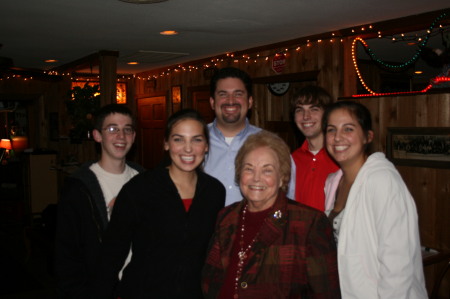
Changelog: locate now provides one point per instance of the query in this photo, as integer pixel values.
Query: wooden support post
(108, 76)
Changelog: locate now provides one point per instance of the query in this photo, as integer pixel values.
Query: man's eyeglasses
(116, 130)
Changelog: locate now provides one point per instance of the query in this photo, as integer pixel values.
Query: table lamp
(6, 145)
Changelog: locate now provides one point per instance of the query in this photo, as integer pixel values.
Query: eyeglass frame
(114, 130)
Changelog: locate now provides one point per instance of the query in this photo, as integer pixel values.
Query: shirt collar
(243, 132)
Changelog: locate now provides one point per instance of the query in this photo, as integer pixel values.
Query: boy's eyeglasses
(116, 130)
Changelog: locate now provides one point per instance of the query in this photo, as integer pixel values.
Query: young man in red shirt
(313, 164)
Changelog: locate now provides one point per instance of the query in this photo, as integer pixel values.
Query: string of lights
(421, 40)
(286, 52)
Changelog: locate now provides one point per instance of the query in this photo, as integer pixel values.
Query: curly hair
(273, 142)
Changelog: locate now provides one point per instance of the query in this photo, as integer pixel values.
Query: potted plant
(84, 102)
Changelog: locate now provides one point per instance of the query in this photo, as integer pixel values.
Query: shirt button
(230, 187)
(244, 285)
(314, 159)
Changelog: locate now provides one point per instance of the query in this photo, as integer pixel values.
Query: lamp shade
(6, 144)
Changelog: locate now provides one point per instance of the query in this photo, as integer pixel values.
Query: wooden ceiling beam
(86, 62)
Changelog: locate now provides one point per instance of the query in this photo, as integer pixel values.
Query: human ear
(97, 135)
(369, 136)
(250, 102)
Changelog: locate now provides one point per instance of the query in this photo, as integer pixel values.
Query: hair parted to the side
(311, 95)
(358, 111)
(271, 141)
(109, 109)
(231, 72)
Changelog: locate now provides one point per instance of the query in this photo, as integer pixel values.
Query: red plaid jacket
(294, 256)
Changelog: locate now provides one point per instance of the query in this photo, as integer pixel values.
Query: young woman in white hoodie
(373, 214)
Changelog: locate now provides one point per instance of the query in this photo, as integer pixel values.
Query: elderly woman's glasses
(116, 130)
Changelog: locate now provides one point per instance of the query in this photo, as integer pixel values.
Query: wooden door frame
(168, 103)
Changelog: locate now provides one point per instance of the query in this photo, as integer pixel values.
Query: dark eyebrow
(116, 125)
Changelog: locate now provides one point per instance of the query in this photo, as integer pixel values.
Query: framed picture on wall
(420, 147)
(175, 95)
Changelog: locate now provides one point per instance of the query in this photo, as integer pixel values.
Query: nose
(306, 114)
(337, 135)
(121, 134)
(229, 99)
(188, 147)
(256, 176)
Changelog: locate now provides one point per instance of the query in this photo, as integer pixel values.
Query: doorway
(152, 118)
(200, 101)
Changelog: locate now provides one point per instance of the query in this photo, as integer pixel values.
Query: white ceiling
(35, 30)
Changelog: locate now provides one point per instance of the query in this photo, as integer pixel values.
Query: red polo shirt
(312, 171)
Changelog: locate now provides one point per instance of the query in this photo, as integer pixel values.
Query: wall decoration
(175, 96)
(421, 147)
(279, 62)
(422, 51)
(278, 89)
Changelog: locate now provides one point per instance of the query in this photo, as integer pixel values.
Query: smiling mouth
(308, 125)
(122, 145)
(187, 158)
(340, 147)
(257, 188)
(231, 108)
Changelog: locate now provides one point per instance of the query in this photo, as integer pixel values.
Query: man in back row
(231, 99)
(313, 164)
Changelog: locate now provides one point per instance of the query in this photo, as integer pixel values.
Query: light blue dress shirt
(219, 161)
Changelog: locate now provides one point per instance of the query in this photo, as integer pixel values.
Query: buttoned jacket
(294, 255)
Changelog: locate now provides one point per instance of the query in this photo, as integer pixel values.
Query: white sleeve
(395, 219)
(291, 189)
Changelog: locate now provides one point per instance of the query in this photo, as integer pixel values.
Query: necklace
(242, 254)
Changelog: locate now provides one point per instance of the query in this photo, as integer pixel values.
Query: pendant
(241, 255)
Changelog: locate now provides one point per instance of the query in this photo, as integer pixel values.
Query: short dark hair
(109, 109)
(182, 115)
(311, 95)
(357, 110)
(271, 141)
(231, 72)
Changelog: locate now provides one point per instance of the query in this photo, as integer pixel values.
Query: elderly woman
(267, 246)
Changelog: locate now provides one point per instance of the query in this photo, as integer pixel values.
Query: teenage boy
(88, 198)
(313, 164)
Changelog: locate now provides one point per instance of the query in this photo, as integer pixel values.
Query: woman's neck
(351, 170)
(185, 181)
